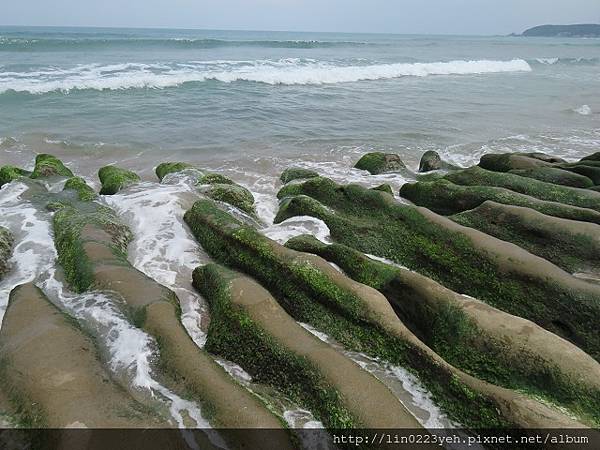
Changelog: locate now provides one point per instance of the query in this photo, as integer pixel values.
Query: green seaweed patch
(311, 297)
(164, 169)
(445, 197)
(379, 162)
(215, 178)
(84, 192)
(49, 166)
(11, 173)
(6, 243)
(234, 335)
(297, 173)
(572, 252)
(384, 188)
(455, 336)
(114, 179)
(476, 176)
(233, 194)
(69, 223)
(373, 223)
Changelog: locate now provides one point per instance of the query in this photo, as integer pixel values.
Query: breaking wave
(280, 72)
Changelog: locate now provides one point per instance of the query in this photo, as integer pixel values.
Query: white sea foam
(584, 110)
(130, 350)
(285, 72)
(163, 247)
(402, 383)
(33, 253)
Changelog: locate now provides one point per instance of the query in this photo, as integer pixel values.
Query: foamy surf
(33, 254)
(405, 386)
(163, 248)
(271, 72)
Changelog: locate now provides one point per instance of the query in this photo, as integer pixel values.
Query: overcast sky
(390, 16)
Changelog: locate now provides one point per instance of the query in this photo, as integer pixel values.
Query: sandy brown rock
(53, 369)
(155, 309)
(570, 244)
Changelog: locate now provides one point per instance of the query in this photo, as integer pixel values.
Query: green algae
(310, 296)
(234, 335)
(374, 223)
(48, 166)
(114, 179)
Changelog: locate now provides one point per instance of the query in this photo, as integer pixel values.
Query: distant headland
(577, 31)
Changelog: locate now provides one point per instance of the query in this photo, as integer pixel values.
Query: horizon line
(252, 30)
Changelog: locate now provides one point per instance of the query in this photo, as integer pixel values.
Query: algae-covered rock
(516, 161)
(215, 178)
(314, 292)
(233, 194)
(384, 188)
(446, 198)
(49, 166)
(487, 343)
(91, 244)
(476, 176)
(76, 236)
(84, 192)
(164, 169)
(587, 170)
(249, 327)
(431, 160)
(297, 173)
(462, 259)
(6, 242)
(570, 244)
(556, 176)
(114, 179)
(592, 157)
(10, 173)
(378, 162)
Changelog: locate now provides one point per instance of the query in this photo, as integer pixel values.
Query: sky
(482, 17)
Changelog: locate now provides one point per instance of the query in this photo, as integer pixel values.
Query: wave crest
(282, 72)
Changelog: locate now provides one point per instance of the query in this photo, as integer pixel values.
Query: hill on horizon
(576, 30)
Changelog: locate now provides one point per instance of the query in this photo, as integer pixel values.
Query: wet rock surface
(486, 290)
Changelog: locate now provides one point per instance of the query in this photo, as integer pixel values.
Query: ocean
(248, 105)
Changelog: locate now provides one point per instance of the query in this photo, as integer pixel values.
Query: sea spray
(33, 253)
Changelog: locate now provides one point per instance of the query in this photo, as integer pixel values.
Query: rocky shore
(483, 283)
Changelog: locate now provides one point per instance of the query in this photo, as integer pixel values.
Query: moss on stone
(233, 194)
(431, 160)
(48, 166)
(166, 168)
(297, 173)
(504, 162)
(84, 192)
(555, 176)
(10, 173)
(310, 296)
(114, 179)
(384, 188)
(69, 223)
(6, 243)
(235, 336)
(446, 198)
(592, 157)
(586, 169)
(373, 223)
(449, 331)
(476, 176)
(378, 162)
(571, 245)
(215, 178)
